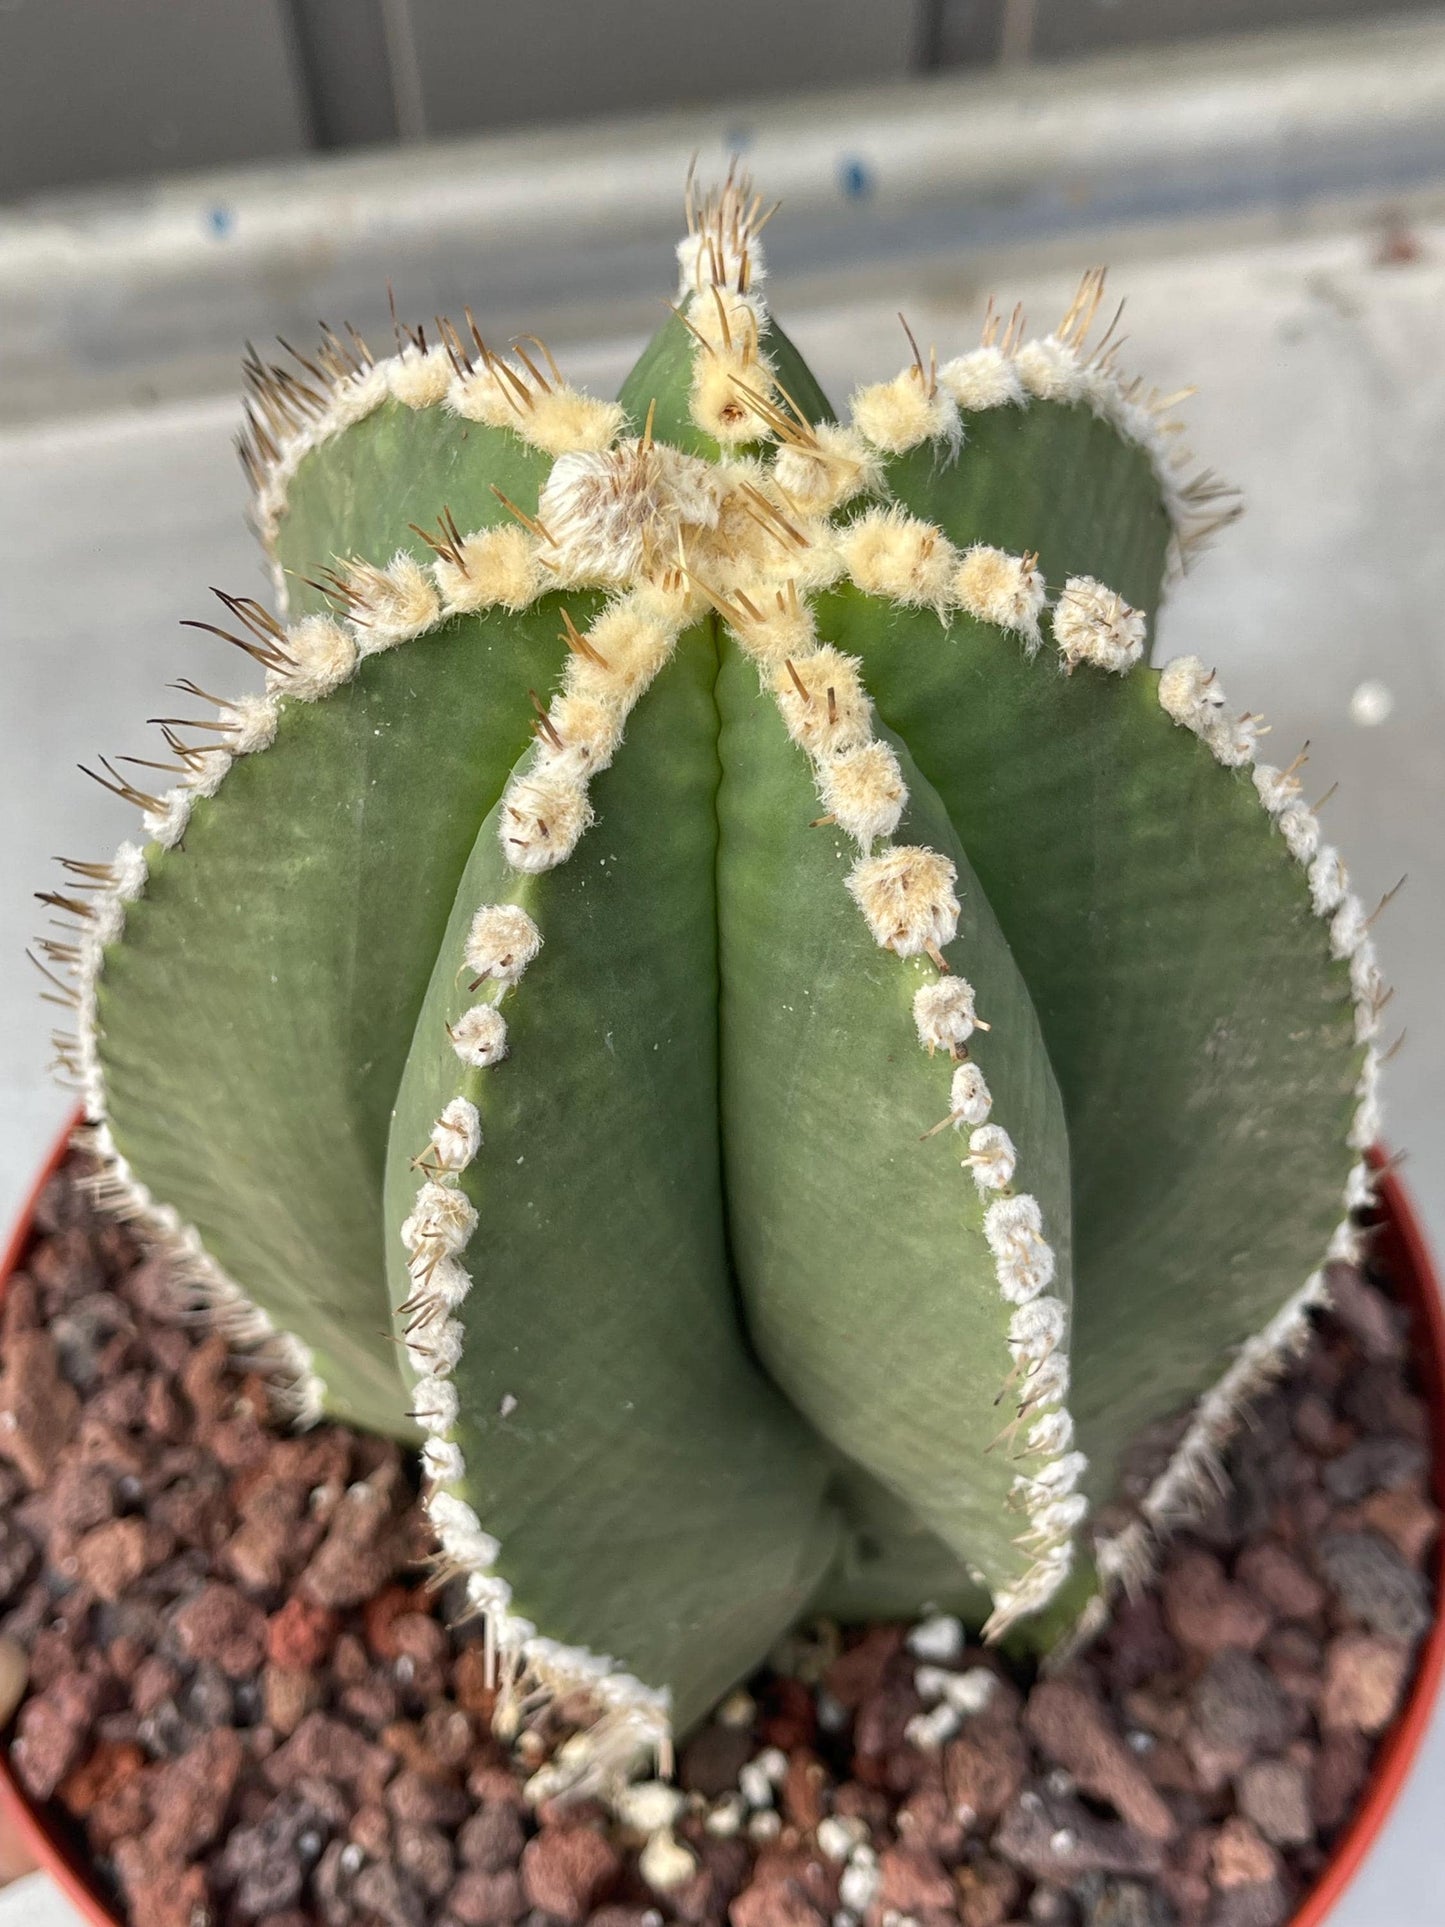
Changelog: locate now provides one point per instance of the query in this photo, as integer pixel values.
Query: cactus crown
(784, 1158)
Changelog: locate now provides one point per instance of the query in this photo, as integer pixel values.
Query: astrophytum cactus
(719, 993)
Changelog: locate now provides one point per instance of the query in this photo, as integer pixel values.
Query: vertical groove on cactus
(695, 1316)
(906, 896)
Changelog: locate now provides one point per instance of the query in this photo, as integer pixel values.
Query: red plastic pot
(1407, 1259)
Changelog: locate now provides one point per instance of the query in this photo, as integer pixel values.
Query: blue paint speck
(855, 178)
(220, 220)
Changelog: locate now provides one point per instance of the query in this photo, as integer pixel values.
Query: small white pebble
(859, 1884)
(665, 1863)
(774, 1762)
(725, 1817)
(929, 1731)
(838, 1836)
(738, 1709)
(1139, 1741)
(931, 1682)
(648, 1806)
(765, 1826)
(939, 1638)
(971, 1691)
(1060, 1783)
(755, 1786)
(832, 1713)
(1064, 1841)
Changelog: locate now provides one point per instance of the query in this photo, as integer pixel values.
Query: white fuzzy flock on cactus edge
(907, 897)
(633, 1719)
(1194, 698)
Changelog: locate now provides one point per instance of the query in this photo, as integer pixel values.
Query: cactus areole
(718, 991)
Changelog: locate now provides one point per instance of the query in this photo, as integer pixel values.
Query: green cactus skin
(517, 1044)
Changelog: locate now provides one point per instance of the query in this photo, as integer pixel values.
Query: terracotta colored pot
(1407, 1259)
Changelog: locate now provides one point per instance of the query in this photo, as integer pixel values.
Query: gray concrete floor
(1321, 393)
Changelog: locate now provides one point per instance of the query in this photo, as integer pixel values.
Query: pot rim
(1411, 1267)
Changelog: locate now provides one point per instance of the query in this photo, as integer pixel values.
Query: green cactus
(782, 1159)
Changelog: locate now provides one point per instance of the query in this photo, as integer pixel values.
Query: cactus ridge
(716, 524)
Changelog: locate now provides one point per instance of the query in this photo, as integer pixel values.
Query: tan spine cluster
(546, 809)
(1008, 371)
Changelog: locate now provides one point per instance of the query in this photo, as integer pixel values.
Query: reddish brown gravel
(248, 1711)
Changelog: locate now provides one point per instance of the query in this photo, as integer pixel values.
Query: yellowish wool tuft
(479, 1036)
(945, 1015)
(823, 702)
(831, 469)
(167, 825)
(250, 723)
(717, 406)
(397, 603)
(457, 1135)
(1190, 693)
(728, 321)
(612, 514)
(353, 400)
(721, 255)
(1300, 828)
(323, 655)
(785, 631)
(501, 942)
(670, 599)
(991, 1158)
(864, 792)
(590, 731)
(1000, 588)
(1232, 739)
(987, 378)
(1277, 788)
(564, 421)
(907, 899)
(442, 1221)
(897, 415)
(435, 1404)
(1037, 1329)
(498, 568)
(1050, 370)
(417, 379)
(1053, 1433)
(543, 817)
(1328, 880)
(817, 565)
(970, 1099)
(206, 771)
(1095, 625)
(632, 648)
(1024, 1263)
(484, 396)
(888, 552)
(443, 1462)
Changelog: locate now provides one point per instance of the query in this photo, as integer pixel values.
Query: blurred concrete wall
(94, 90)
